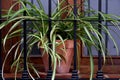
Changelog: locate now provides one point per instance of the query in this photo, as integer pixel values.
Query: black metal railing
(99, 73)
(25, 72)
(74, 72)
(49, 74)
(0, 42)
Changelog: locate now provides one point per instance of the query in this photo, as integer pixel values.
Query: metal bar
(75, 26)
(100, 27)
(32, 1)
(64, 20)
(89, 16)
(75, 72)
(49, 74)
(99, 73)
(0, 41)
(106, 24)
(64, 79)
(50, 21)
(25, 45)
(25, 72)
(89, 7)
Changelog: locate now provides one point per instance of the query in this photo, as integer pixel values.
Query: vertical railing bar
(99, 26)
(88, 7)
(75, 72)
(50, 21)
(75, 25)
(0, 40)
(99, 73)
(25, 47)
(49, 74)
(88, 16)
(31, 29)
(25, 72)
(106, 24)
(32, 1)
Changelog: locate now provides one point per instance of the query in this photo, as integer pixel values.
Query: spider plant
(86, 31)
(36, 15)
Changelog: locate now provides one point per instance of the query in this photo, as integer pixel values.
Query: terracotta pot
(45, 60)
(65, 65)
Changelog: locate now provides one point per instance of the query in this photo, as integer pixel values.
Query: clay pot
(45, 60)
(65, 65)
